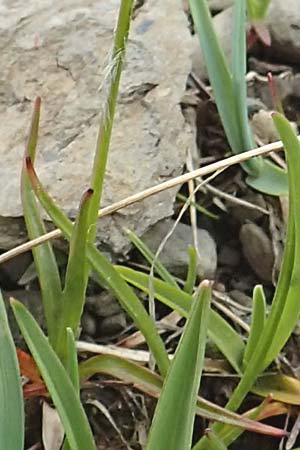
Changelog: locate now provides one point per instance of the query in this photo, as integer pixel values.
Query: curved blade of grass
(73, 296)
(215, 443)
(192, 271)
(72, 361)
(291, 309)
(150, 383)
(221, 80)
(105, 129)
(72, 369)
(239, 74)
(230, 95)
(219, 331)
(172, 424)
(257, 323)
(44, 258)
(272, 180)
(285, 389)
(11, 396)
(63, 393)
(150, 257)
(125, 295)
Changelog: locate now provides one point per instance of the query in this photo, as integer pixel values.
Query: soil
(123, 419)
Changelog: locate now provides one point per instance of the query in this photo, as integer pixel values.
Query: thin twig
(235, 200)
(223, 164)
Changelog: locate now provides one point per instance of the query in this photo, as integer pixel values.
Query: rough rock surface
(258, 251)
(174, 254)
(60, 51)
(283, 21)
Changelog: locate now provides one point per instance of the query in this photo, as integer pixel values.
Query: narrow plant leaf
(192, 271)
(72, 360)
(257, 323)
(105, 270)
(221, 80)
(172, 424)
(150, 383)
(272, 180)
(230, 95)
(215, 443)
(62, 392)
(285, 308)
(44, 258)
(73, 296)
(107, 120)
(11, 396)
(150, 257)
(283, 388)
(196, 205)
(239, 73)
(221, 333)
(72, 369)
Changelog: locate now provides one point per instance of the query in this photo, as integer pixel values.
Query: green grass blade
(215, 443)
(172, 424)
(44, 257)
(285, 306)
(192, 271)
(198, 207)
(257, 323)
(11, 396)
(291, 310)
(150, 383)
(272, 180)
(105, 130)
(150, 257)
(239, 74)
(72, 369)
(63, 393)
(221, 80)
(220, 332)
(125, 295)
(76, 280)
(72, 361)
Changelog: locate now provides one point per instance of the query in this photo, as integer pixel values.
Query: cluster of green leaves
(178, 383)
(230, 90)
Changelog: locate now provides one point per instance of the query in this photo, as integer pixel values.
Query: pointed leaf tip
(37, 102)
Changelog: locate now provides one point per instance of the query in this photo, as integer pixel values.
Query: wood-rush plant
(230, 90)
(58, 372)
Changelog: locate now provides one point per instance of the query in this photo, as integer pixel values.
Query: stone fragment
(175, 254)
(258, 251)
(60, 51)
(283, 22)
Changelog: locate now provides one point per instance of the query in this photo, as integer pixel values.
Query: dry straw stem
(210, 168)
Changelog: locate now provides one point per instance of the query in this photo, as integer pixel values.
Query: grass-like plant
(227, 79)
(178, 381)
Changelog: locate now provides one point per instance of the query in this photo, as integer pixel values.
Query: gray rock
(283, 21)
(59, 50)
(103, 305)
(112, 325)
(258, 251)
(175, 255)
